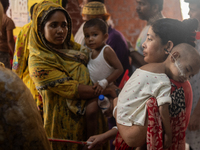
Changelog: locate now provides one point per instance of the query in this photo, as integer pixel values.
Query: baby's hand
(98, 88)
(167, 141)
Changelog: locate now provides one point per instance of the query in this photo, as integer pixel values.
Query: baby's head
(95, 32)
(184, 62)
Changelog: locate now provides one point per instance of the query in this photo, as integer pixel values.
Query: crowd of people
(157, 108)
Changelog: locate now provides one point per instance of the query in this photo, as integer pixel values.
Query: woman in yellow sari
(21, 54)
(20, 61)
(57, 67)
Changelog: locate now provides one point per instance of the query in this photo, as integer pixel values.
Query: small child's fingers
(167, 145)
(99, 91)
(94, 86)
(96, 92)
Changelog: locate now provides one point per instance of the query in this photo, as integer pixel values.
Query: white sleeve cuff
(164, 100)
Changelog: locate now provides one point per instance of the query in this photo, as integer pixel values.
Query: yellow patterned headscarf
(40, 49)
(52, 68)
(40, 12)
(56, 1)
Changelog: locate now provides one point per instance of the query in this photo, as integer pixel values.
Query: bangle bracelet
(115, 127)
(114, 111)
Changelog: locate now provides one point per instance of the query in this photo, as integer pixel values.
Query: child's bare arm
(164, 113)
(112, 59)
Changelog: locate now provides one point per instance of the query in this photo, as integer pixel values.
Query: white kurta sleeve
(162, 93)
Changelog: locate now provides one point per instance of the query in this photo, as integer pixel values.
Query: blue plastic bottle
(103, 103)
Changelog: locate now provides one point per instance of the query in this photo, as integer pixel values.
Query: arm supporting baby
(134, 136)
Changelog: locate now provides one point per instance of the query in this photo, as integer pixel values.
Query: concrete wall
(124, 15)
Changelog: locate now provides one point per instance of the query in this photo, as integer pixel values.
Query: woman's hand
(110, 90)
(97, 141)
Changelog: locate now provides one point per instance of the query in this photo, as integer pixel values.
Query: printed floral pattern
(39, 73)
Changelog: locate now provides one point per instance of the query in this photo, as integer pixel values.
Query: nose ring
(60, 30)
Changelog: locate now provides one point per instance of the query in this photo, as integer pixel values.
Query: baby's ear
(175, 56)
(106, 36)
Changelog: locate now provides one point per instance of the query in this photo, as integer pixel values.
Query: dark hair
(64, 3)
(176, 31)
(159, 2)
(103, 27)
(96, 1)
(31, 9)
(5, 4)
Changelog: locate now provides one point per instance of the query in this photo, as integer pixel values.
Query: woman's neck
(55, 46)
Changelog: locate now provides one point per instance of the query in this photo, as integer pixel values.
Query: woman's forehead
(151, 32)
(58, 15)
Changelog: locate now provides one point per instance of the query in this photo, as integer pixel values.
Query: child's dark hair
(5, 4)
(176, 31)
(103, 27)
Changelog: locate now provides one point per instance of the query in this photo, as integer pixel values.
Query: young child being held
(153, 80)
(104, 66)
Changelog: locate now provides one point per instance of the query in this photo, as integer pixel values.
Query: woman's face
(143, 9)
(153, 49)
(55, 30)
